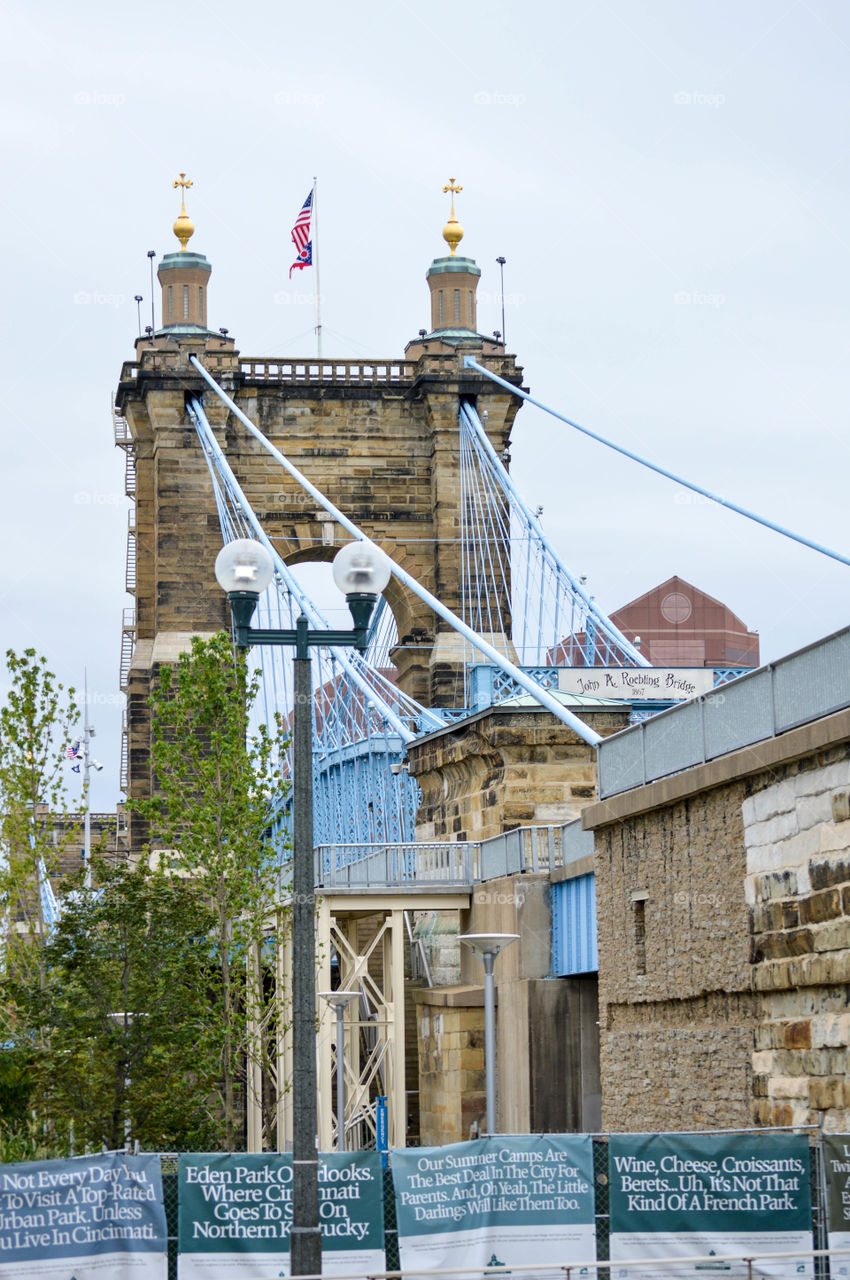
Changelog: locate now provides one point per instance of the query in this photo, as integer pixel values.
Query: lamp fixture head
(244, 566)
(488, 944)
(361, 568)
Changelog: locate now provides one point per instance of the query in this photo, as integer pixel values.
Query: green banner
(235, 1214)
(95, 1216)
(836, 1157)
(500, 1200)
(713, 1194)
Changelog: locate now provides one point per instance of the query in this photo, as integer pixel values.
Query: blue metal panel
(574, 926)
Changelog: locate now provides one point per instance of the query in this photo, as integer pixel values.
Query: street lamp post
(338, 1000)
(244, 569)
(487, 946)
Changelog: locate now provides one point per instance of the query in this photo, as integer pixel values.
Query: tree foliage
(35, 728)
(208, 818)
(118, 1040)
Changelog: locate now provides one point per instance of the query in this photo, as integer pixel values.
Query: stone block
(824, 1094)
(833, 936)
(812, 810)
(775, 946)
(762, 1112)
(788, 1087)
(830, 1030)
(797, 1035)
(789, 1113)
(826, 872)
(766, 804)
(773, 830)
(779, 884)
(828, 778)
(821, 906)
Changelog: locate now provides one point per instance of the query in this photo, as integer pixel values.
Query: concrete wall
(546, 1033)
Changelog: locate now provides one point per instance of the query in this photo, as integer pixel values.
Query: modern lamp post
(244, 569)
(487, 946)
(339, 1000)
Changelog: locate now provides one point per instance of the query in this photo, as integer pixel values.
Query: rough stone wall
(384, 449)
(723, 898)
(798, 887)
(676, 1009)
(505, 769)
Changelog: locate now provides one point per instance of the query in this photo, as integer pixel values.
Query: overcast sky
(668, 181)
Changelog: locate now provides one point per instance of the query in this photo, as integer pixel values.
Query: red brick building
(681, 626)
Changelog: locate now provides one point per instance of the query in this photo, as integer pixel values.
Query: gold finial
(452, 231)
(184, 227)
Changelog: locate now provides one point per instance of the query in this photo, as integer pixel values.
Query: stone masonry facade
(797, 838)
(723, 902)
(505, 768)
(380, 439)
(675, 999)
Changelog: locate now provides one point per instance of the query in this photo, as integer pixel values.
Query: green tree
(36, 720)
(35, 727)
(208, 818)
(126, 1052)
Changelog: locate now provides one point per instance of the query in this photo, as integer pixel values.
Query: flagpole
(86, 767)
(316, 265)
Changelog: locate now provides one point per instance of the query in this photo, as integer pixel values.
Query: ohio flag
(301, 237)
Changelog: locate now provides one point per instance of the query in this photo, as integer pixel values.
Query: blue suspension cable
(471, 363)
(540, 694)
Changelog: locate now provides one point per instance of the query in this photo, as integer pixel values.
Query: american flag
(73, 752)
(301, 237)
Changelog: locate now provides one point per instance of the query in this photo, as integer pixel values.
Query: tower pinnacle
(452, 231)
(184, 227)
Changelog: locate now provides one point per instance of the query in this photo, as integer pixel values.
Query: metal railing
(385, 865)
(453, 863)
(796, 690)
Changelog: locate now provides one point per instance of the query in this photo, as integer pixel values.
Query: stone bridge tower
(379, 437)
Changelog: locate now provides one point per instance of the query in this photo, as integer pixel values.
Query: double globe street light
(244, 570)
